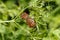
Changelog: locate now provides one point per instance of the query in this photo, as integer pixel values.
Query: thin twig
(7, 21)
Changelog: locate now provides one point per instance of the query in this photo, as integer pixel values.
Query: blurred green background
(46, 13)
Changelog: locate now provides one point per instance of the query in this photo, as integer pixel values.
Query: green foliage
(46, 13)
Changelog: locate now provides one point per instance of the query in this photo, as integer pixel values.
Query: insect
(30, 22)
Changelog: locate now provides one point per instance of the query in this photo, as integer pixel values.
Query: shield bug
(30, 22)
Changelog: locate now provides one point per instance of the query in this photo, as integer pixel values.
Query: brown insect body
(29, 20)
(24, 15)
